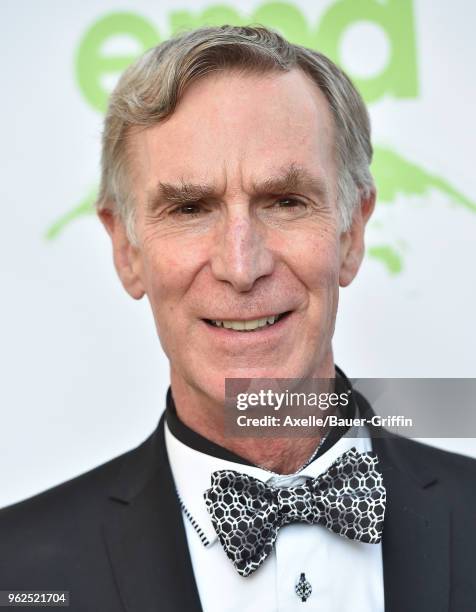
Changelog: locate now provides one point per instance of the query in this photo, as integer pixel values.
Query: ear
(352, 246)
(126, 256)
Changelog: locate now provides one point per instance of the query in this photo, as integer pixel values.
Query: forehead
(234, 126)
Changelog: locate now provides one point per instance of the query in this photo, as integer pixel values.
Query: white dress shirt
(345, 575)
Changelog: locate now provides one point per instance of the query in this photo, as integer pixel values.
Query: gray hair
(150, 89)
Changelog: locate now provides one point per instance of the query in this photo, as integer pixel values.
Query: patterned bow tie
(348, 498)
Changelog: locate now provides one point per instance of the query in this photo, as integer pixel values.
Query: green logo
(96, 66)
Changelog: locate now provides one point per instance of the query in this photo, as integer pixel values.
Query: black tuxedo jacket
(114, 537)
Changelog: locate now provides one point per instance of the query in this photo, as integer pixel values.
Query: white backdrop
(83, 375)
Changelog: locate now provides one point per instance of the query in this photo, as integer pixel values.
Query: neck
(206, 416)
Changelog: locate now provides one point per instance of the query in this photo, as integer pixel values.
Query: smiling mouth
(248, 326)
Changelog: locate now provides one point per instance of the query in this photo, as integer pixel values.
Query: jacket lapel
(145, 535)
(415, 543)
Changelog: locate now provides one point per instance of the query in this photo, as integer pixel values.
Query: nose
(241, 256)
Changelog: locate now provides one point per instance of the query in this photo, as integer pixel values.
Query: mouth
(250, 325)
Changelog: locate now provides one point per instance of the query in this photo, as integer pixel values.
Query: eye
(291, 204)
(189, 209)
(288, 203)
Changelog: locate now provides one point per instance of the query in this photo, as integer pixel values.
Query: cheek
(164, 281)
(162, 277)
(169, 268)
(316, 256)
(164, 288)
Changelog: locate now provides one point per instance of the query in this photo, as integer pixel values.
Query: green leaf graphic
(388, 256)
(85, 207)
(395, 175)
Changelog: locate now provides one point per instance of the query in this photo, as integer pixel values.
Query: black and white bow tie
(348, 498)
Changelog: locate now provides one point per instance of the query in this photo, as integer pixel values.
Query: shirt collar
(192, 467)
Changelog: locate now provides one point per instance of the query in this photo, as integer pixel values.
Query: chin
(258, 372)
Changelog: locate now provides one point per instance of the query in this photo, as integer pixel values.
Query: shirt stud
(303, 588)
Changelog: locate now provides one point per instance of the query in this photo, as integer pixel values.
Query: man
(236, 189)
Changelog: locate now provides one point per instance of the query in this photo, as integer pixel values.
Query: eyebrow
(293, 178)
(288, 180)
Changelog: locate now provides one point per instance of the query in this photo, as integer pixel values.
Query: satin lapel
(415, 544)
(145, 535)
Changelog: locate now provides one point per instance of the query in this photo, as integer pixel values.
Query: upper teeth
(246, 325)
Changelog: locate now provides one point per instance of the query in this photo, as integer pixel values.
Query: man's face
(238, 225)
